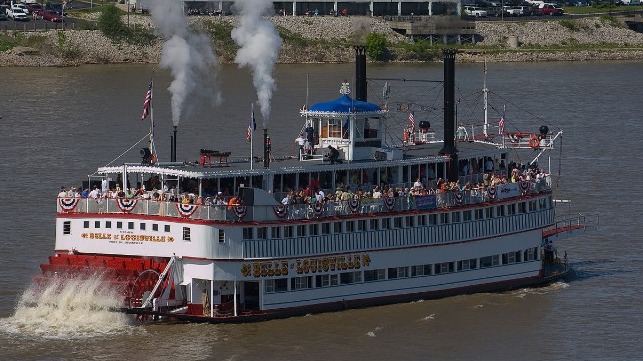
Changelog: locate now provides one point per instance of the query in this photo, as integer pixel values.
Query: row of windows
(346, 278)
(130, 225)
(360, 225)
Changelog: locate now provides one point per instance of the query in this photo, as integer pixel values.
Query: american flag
(501, 125)
(147, 102)
(252, 126)
(412, 122)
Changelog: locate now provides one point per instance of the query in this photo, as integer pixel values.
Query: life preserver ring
(153, 159)
(406, 136)
(534, 142)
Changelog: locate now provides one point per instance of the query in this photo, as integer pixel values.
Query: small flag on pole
(252, 126)
(147, 102)
(412, 121)
(501, 125)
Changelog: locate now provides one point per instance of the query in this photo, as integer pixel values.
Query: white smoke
(188, 55)
(260, 44)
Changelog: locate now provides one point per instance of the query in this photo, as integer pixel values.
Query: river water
(58, 125)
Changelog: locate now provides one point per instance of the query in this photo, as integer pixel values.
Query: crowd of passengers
(314, 193)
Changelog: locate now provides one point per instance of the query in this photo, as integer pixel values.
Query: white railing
(331, 208)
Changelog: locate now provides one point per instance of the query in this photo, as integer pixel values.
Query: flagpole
(152, 145)
(251, 131)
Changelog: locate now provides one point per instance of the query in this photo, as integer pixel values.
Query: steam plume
(188, 55)
(260, 44)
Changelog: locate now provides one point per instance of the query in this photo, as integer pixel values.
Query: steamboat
(352, 221)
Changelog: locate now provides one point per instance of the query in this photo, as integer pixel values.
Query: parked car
(50, 15)
(513, 10)
(35, 8)
(475, 11)
(551, 9)
(17, 14)
(631, 2)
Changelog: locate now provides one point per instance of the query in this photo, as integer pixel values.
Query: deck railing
(314, 210)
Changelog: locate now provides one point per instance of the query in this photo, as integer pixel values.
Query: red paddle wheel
(129, 277)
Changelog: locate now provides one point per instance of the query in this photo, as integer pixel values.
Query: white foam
(69, 308)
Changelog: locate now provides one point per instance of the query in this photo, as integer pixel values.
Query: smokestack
(266, 148)
(449, 114)
(360, 72)
(174, 146)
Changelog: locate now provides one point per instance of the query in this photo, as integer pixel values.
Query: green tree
(111, 24)
(376, 46)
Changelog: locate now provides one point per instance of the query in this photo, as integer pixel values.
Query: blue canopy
(344, 104)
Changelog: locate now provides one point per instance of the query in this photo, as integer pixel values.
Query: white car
(17, 14)
(475, 11)
(631, 2)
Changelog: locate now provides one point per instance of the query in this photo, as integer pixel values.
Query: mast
(485, 93)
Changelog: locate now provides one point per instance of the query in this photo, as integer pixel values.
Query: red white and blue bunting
(240, 211)
(126, 205)
(318, 208)
(281, 210)
(389, 202)
(491, 192)
(459, 197)
(354, 204)
(68, 204)
(524, 187)
(186, 210)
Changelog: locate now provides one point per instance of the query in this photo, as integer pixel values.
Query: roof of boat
(415, 154)
(344, 105)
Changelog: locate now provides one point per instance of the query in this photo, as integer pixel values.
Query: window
(433, 219)
(327, 280)
(509, 258)
(141, 226)
(301, 283)
(386, 223)
(108, 224)
(313, 229)
(398, 272)
(155, 227)
(337, 227)
(467, 264)
(167, 228)
(455, 217)
(119, 225)
(67, 227)
(361, 225)
(444, 267)
(444, 218)
(488, 212)
(130, 225)
(489, 261)
(301, 230)
(421, 270)
(348, 278)
(325, 228)
(262, 232)
(86, 224)
(522, 207)
(276, 232)
(511, 209)
(409, 221)
(247, 233)
(186, 234)
(277, 285)
(421, 221)
(532, 206)
(479, 214)
(374, 275)
(96, 224)
(221, 236)
(288, 231)
(397, 222)
(467, 215)
(500, 211)
(350, 226)
(373, 224)
(529, 255)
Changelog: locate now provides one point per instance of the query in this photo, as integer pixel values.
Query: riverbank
(327, 40)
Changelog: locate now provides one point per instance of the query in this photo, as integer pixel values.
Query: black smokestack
(449, 114)
(266, 149)
(360, 73)
(173, 156)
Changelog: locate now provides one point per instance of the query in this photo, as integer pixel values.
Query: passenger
(333, 156)
(300, 141)
(63, 192)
